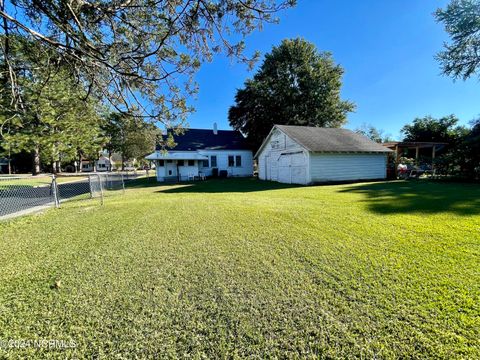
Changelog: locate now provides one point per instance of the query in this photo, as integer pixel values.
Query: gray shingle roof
(204, 139)
(319, 139)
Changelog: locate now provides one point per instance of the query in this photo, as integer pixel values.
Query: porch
(425, 151)
(180, 166)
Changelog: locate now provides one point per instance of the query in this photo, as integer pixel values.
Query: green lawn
(238, 268)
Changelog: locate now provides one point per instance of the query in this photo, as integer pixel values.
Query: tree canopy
(461, 56)
(51, 122)
(295, 85)
(130, 136)
(135, 52)
(428, 128)
(374, 134)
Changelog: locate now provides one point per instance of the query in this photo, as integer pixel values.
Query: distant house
(306, 155)
(102, 164)
(203, 152)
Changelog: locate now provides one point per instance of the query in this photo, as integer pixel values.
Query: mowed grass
(243, 268)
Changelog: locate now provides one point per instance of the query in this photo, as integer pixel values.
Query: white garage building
(307, 155)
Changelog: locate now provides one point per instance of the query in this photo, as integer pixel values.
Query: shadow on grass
(420, 197)
(142, 182)
(226, 186)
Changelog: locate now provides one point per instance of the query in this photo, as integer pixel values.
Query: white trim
(264, 142)
(260, 149)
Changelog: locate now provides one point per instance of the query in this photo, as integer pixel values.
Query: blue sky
(387, 49)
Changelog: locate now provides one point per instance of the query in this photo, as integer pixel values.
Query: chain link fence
(24, 195)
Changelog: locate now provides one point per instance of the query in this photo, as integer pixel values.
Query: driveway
(18, 199)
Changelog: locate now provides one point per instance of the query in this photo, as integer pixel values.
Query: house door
(171, 168)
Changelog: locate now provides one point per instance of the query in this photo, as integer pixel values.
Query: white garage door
(292, 168)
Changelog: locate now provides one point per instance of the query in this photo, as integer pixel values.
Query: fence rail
(24, 195)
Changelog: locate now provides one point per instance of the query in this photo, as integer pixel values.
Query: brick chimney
(215, 130)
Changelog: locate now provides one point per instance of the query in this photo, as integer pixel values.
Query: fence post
(90, 186)
(123, 184)
(101, 189)
(55, 191)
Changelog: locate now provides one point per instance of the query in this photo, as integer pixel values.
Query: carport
(400, 146)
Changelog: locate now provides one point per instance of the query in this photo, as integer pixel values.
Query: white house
(306, 155)
(102, 164)
(199, 151)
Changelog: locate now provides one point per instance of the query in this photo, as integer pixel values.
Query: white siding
(222, 162)
(341, 167)
(278, 155)
(246, 168)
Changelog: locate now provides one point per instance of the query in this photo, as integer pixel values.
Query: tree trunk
(9, 162)
(36, 160)
(79, 161)
(110, 160)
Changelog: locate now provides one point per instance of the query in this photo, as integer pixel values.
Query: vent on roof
(215, 130)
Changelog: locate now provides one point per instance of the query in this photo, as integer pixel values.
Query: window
(161, 162)
(101, 166)
(231, 160)
(191, 162)
(205, 163)
(238, 161)
(275, 144)
(213, 161)
(180, 162)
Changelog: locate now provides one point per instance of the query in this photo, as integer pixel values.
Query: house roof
(200, 139)
(318, 139)
(414, 144)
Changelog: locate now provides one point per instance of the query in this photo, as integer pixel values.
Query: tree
(461, 57)
(463, 159)
(469, 151)
(52, 122)
(295, 85)
(444, 129)
(140, 52)
(56, 127)
(374, 134)
(129, 135)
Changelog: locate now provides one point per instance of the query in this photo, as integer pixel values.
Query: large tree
(141, 52)
(52, 122)
(461, 56)
(295, 85)
(129, 135)
(428, 128)
(56, 127)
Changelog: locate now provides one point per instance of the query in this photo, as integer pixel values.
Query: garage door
(292, 168)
